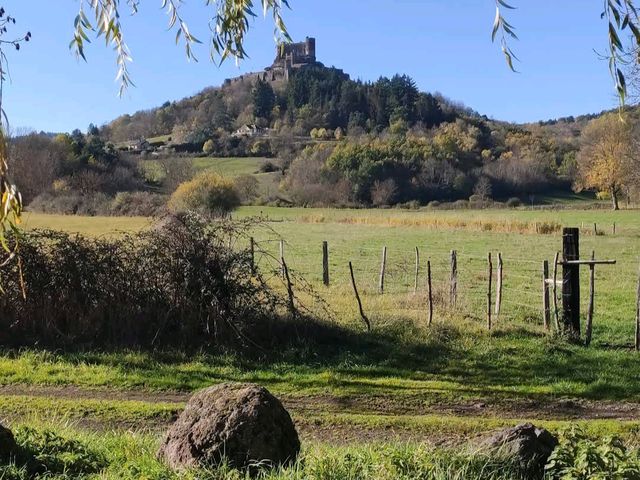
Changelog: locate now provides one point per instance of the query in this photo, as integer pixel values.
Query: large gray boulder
(529, 445)
(241, 423)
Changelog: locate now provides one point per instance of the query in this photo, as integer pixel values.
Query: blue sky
(444, 45)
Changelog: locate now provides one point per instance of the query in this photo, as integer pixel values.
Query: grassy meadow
(230, 167)
(405, 383)
(456, 357)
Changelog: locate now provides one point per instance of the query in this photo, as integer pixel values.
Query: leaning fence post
(592, 285)
(282, 267)
(595, 229)
(415, 283)
(252, 253)
(637, 342)
(292, 306)
(489, 291)
(499, 285)
(355, 290)
(453, 288)
(429, 292)
(383, 268)
(546, 314)
(325, 263)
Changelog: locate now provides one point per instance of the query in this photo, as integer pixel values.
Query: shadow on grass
(308, 355)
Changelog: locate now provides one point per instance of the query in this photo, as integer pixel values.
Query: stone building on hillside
(289, 57)
(249, 131)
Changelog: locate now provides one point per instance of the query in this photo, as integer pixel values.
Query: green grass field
(229, 167)
(518, 358)
(95, 226)
(235, 167)
(453, 380)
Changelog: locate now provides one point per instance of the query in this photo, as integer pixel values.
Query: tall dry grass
(443, 223)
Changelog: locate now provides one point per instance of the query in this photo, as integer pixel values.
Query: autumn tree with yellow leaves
(607, 156)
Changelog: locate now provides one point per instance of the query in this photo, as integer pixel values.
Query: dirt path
(305, 408)
(549, 409)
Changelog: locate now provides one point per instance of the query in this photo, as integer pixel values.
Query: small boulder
(243, 424)
(8, 447)
(529, 445)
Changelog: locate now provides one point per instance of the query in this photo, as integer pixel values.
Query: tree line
(335, 142)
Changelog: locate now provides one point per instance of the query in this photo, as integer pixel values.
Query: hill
(292, 96)
(334, 141)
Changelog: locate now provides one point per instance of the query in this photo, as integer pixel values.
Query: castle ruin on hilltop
(289, 57)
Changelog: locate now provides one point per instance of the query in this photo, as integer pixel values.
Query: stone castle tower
(289, 57)
(301, 53)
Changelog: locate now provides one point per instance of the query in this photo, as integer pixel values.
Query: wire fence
(392, 281)
(404, 278)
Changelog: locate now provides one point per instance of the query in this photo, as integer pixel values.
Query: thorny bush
(184, 283)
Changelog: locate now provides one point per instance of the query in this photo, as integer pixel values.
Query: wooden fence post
(614, 228)
(415, 284)
(292, 305)
(555, 291)
(592, 285)
(355, 290)
(499, 285)
(383, 268)
(453, 287)
(571, 282)
(429, 292)
(595, 229)
(489, 291)
(637, 342)
(546, 314)
(325, 263)
(282, 272)
(252, 253)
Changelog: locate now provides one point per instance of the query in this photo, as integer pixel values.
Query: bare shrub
(247, 187)
(513, 202)
(383, 193)
(72, 203)
(180, 284)
(309, 183)
(35, 161)
(268, 167)
(175, 171)
(482, 189)
(139, 204)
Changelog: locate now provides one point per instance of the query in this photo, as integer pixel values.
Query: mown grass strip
(144, 415)
(100, 411)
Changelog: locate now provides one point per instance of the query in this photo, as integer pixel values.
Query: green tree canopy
(263, 99)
